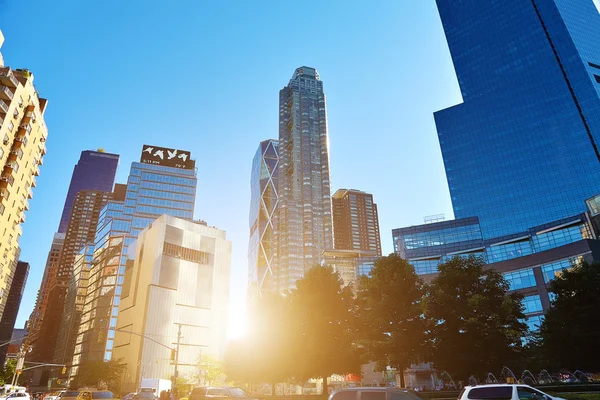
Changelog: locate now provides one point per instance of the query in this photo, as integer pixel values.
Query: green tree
(100, 374)
(569, 335)
(8, 371)
(262, 355)
(478, 325)
(324, 327)
(211, 371)
(394, 329)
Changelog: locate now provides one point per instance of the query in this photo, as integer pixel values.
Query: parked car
(374, 393)
(51, 396)
(145, 395)
(91, 394)
(68, 395)
(504, 392)
(222, 392)
(18, 396)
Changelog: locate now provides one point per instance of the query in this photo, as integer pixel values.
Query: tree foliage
(569, 335)
(8, 371)
(100, 374)
(310, 332)
(394, 329)
(477, 327)
(324, 327)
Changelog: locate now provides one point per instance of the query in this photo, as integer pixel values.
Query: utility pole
(176, 373)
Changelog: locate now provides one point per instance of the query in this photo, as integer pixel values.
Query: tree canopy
(476, 325)
(394, 328)
(570, 332)
(100, 374)
(324, 327)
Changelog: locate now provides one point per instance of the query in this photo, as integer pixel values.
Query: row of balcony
(6, 93)
(7, 77)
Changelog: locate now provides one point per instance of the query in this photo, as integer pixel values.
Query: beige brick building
(22, 146)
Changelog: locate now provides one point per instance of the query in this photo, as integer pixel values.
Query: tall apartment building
(163, 182)
(94, 171)
(355, 221)
(73, 307)
(48, 280)
(263, 207)
(176, 279)
(23, 136)
(522, 150)
(9, 317)
(80, 231)
(304, 218)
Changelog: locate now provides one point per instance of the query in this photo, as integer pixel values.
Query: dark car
(374, 393)
(222, 392)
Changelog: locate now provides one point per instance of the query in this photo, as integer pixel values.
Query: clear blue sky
(205, 76)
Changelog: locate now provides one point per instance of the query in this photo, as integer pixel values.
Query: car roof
(495, 385)
(380, 388)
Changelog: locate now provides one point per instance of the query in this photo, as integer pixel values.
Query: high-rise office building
(80, 231)
(13, 302)
(176, 279)
(74, 301)
(95, 170)
(263, 208)
(163, 182)
(23, 136)
(522, 149)
(355, 221)
(304, 218)
(48, 280)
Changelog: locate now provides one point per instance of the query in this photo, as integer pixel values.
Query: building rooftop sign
(167, 157)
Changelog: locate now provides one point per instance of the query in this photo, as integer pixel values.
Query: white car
(18, 396)
(504, 392)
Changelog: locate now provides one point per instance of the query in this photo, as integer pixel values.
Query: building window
(520, 279)
(184, 253)
(555, 269)
(532, 304)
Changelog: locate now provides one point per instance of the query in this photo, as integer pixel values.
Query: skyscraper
(48, 280)
(522, 149)
(80, 231)
(176, 278)
(263, 208)
(304, 218)
(13, 302)
(355, 221)
(23, 136)
(163, 182)
(95, 170)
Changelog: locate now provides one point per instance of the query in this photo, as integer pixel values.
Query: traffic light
(173, 354)
(64, 370)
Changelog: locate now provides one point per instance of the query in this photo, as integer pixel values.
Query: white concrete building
(177, 275)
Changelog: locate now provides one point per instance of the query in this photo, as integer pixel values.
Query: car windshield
(145, 395)
(237, 392)
(102, 395)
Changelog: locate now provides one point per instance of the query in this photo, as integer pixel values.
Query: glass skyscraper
(157, 185)
(95, 170)
(522, 149)
(263, 208)
(304, 218)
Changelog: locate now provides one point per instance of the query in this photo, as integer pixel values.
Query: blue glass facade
(262, 274)
(95, 170)
(522, 149)
(528, 260)
(152, 190)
